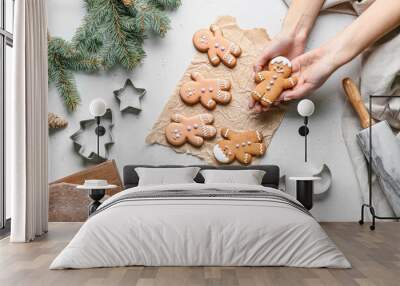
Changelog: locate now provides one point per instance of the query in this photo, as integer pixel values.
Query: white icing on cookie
(204, 131)
(233, 48)
(215, 58)
(226, 133)
(281, 59)
(222, 96)
(257, 94)
(261, 149)
(228, 58)
(219, 154)
(266, 100)
(259, 136)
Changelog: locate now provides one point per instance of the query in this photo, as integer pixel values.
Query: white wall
(166, 61)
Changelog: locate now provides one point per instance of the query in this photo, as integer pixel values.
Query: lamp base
(303, 130)
(100, 130)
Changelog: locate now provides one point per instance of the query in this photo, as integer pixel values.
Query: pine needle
(111, 34)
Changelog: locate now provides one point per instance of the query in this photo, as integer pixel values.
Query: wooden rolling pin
(354, 96)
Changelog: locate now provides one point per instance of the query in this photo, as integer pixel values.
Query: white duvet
(200, 231)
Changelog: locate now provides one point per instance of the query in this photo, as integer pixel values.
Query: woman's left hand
(312, 69)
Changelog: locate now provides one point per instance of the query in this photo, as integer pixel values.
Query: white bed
(256, 226)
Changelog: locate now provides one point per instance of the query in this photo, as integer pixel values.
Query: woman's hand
(312, 69)
(291, 41)
(281, 45)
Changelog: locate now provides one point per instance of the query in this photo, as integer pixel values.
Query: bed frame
(270, 179)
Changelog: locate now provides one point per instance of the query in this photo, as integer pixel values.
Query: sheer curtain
(26, 119)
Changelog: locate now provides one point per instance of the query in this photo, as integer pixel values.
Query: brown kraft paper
(236, 115)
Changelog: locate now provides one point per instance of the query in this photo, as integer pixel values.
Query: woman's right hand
(280, 45)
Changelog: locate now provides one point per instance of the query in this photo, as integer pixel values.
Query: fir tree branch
(58, 51)
(111, 34)
(168, 4)
(150, 18)
(121, 48)
(66, 86)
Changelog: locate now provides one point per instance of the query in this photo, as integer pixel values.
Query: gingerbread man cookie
(190, 129)
(239, 145)
(218, 48)
(208, 91)
(274, 81)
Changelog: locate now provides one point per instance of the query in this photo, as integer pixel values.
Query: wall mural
(129, 97)
(111, 34)
(223, 90)
(217, 84)
(56, 122)
(85, 142)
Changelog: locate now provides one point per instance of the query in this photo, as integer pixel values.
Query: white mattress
(200, 231)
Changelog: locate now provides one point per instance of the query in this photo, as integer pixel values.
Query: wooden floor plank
(375, 257)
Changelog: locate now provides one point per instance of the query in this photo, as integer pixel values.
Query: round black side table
(96, 192)
(304, 190)
(96, 195)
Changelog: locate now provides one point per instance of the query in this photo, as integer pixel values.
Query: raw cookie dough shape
(219, 49)
(85, 139)
(208, 92)
(274, 81)
(129, 97)
(241, 146)
(190, 129)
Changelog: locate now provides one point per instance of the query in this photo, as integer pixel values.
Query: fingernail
(287, 98)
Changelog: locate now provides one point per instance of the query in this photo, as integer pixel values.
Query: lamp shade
(97, 107)
(306, 108)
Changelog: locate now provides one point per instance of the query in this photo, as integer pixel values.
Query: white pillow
(247, 177)
(166, 176)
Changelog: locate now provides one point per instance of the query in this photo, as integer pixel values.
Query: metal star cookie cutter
(85, 139)
(130, 101)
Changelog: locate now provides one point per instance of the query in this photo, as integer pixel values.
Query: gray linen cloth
(353, 7)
